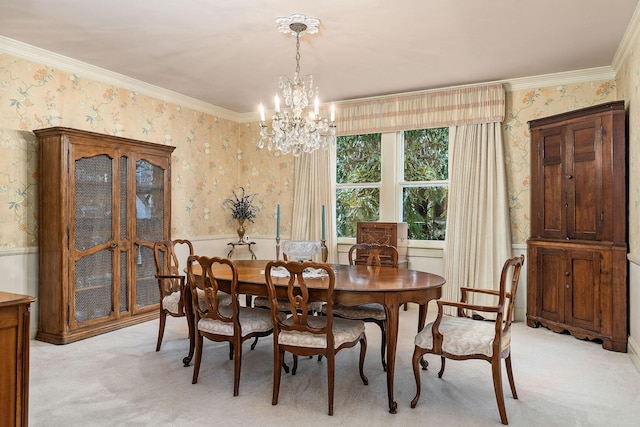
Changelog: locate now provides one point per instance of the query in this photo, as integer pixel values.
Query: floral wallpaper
(529, 104)
(18, 191)
(207, 165)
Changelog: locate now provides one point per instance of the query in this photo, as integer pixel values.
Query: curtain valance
(454, 107)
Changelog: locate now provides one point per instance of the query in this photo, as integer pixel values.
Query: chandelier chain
(297, 54)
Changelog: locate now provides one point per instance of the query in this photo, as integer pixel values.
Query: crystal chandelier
(293, 130)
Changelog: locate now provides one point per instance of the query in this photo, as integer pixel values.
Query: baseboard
(634, 352)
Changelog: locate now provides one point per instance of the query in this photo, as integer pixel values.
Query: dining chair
(223, 322)
(371, 312)
(464, 337)
(300, 250)
(305, 335)
(174, 295)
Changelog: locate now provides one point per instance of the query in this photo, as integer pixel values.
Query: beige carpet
(117, 379)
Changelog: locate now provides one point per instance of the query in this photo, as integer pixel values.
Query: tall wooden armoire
(577, 260)
(103, 202)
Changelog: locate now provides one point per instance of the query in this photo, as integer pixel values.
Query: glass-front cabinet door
(150, 226)
(92, 237)
(113, 232)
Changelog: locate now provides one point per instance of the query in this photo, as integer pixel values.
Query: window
(399, 176)
(358, 176)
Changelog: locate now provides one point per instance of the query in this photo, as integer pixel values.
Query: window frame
(391, 186)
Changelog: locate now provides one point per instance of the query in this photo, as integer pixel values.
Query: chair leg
(363, 352)
(163, 320)
(278, 360)
(196, 363)
(512, 383)
(237, 366)
(331, 372)
(383, 345)
(230, 350)
(424, 363)
(416, 362)
(496, 370)
(295, 364)
(255, 341)
(442, 365)
(186, 361)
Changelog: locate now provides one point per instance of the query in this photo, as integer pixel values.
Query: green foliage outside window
(356, 204)
(426, 155)
(358, 160)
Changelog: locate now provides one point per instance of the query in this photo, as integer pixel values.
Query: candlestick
(278, 222)
(322, 222)
(261, 113)
(277, 249)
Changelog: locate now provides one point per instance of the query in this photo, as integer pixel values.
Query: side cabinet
(103, 202)
(383, 233)
(573, 287)
(14, 354)
(577, 266)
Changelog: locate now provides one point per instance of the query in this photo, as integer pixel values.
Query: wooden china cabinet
(577, 253)
(103, 202)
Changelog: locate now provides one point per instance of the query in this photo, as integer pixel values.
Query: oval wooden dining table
(355, 284)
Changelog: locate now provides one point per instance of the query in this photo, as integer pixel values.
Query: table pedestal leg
(392, 311)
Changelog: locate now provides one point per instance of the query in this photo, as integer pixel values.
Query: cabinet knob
(566, 273)
(567, 286)
(568, 176)
(113, 246)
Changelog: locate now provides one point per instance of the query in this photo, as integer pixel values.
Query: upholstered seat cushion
(170, 302)
(463, 336)
(284, 305)
(344, 330)
(251, 320)
(361, 312)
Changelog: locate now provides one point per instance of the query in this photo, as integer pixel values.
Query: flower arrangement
(242, 206)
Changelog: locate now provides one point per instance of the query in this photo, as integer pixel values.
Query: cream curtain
(478, 225)
(313, 188)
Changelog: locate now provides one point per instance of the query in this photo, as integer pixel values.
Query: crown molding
(628, 40)
(36, 54)
(80, 68)
(558, 79)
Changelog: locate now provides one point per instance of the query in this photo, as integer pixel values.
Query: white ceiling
(230, 53)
